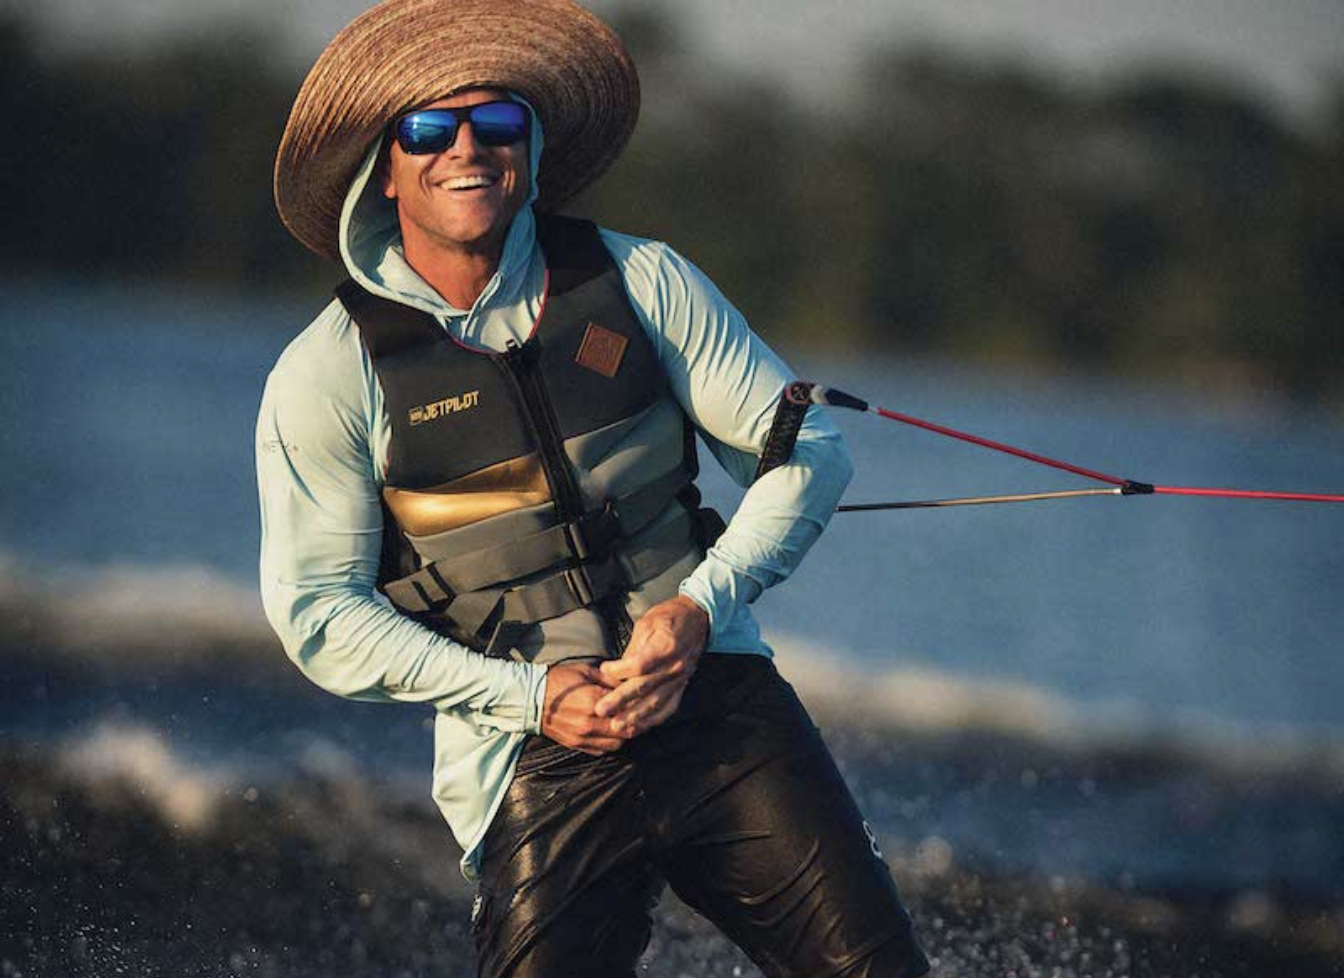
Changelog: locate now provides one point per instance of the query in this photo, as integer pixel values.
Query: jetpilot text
(442, 409)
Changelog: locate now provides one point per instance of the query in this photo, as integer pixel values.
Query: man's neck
(459, 276)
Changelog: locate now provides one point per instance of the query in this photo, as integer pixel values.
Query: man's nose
(465, 144)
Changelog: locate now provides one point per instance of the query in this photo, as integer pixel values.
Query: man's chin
(482, 239)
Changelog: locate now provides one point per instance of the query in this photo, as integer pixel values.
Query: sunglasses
(434, 130)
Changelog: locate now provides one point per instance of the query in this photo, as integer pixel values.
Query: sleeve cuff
(721, 590)
(518, 700)
(536, 698)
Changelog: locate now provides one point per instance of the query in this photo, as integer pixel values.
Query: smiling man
(476, 471)
(455, 206)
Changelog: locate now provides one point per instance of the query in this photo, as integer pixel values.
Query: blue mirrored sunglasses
(434, 130)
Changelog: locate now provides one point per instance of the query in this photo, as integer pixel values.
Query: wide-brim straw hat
(402, 54)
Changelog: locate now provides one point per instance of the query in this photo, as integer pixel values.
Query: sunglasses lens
(434, 130)
(426, 132)
(499, 123)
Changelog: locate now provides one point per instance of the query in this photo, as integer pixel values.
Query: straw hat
(401, 54)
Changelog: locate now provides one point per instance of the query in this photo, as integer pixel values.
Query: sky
(1284, 52)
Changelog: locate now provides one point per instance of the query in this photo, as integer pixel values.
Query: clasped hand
(597, 708)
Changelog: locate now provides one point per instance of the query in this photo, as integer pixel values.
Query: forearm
(779, 519)
(350, 643)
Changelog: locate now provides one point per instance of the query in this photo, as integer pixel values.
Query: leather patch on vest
(601, 350)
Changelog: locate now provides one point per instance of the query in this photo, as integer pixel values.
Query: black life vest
(539, 500)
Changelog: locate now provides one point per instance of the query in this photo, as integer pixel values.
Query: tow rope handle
(788, 421)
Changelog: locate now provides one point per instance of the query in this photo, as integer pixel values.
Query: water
(1141, 691)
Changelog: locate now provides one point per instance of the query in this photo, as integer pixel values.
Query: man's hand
(568, 716)
(648, 681)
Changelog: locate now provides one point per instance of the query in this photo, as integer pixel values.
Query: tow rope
(797, 397)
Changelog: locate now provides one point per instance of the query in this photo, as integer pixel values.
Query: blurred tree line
(1158, 225)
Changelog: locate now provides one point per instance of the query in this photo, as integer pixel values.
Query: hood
(372, 251)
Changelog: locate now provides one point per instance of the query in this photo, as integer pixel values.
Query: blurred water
(128, 440)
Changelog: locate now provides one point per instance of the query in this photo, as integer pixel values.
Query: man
(476, 488)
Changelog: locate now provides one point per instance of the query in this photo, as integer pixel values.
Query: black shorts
(735, 802)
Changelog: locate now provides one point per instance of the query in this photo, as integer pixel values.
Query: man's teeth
(468, 183)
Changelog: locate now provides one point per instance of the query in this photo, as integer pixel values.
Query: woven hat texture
(402, 54)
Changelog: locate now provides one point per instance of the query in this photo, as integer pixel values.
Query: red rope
(1130, 486)
(1000, 447)
(1301, 497)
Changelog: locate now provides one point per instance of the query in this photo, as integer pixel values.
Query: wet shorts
(735, 803)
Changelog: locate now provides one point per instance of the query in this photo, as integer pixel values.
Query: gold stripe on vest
(502, 488)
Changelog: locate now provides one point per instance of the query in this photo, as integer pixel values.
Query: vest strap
(398, 327)
(495, 616)
(423, 591)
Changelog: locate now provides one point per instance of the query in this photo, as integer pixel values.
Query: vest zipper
(520, 367)
(546, 430)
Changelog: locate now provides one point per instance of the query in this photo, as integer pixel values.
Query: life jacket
(537, 501)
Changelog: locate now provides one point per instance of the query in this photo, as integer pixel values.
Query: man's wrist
(691, 604)
(536, 698)
(719, 591)
(688, 596)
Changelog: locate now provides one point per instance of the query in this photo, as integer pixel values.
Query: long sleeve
(321, 542)
(729, 381)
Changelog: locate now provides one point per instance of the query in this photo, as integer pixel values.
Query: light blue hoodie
(322, 447)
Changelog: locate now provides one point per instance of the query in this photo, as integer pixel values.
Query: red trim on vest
(545, 295)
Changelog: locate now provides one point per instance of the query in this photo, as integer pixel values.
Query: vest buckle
(594, 533)
(580, 586)
(421, 592)
(590, 583)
